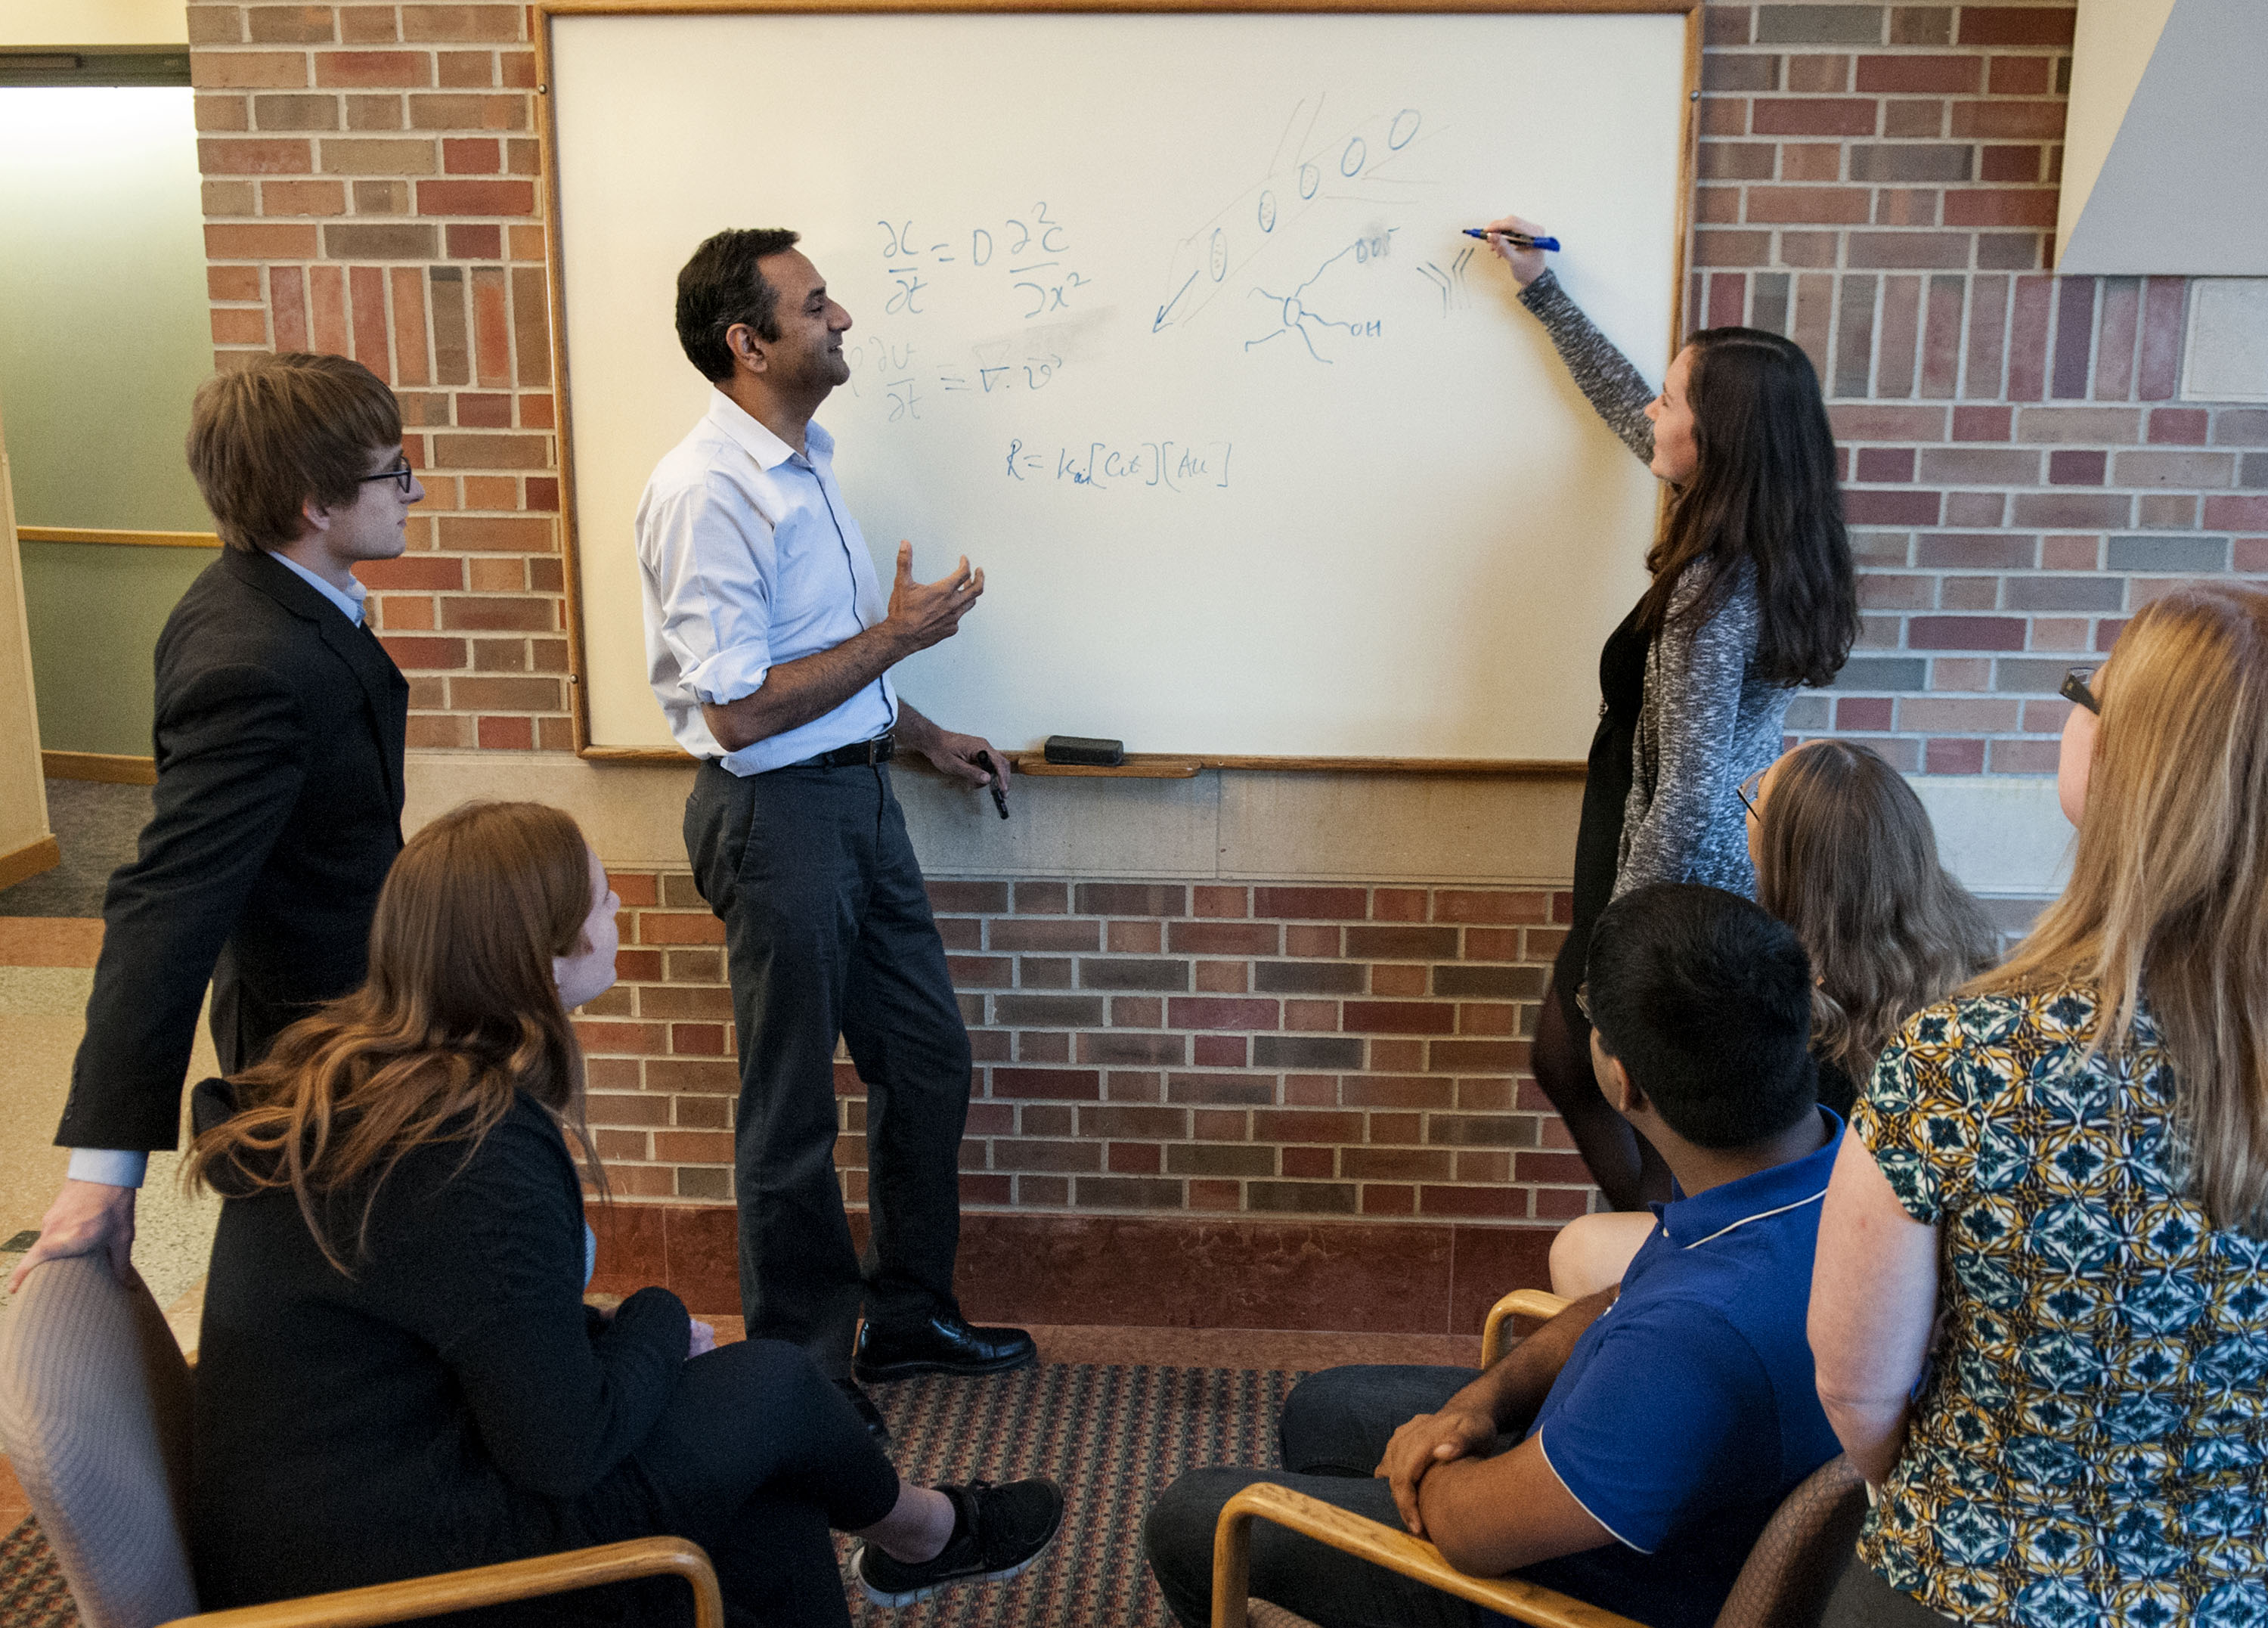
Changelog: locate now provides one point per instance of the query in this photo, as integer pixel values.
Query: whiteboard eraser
(1085, 752)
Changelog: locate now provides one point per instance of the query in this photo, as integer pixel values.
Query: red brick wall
(1879, 181)
(1202, 1048)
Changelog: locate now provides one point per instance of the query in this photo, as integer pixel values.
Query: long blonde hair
(1846, 857)
(460, 1011)
(2169, 894)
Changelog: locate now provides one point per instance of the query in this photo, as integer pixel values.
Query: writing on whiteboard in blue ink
(1163, 466)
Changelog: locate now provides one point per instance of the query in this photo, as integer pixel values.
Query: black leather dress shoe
(869, 1415)
(940, 1345)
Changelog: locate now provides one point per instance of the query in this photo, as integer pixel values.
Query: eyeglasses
(401, 475)
(2075, 690)
(1583, 1001)
(1751, 789)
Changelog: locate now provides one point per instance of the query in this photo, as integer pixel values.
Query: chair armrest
(1382, 1545)
(1520, 1303)
(488, 1585)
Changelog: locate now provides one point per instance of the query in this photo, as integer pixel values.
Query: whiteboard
(1166, 322)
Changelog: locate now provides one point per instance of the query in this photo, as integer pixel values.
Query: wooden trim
(30, 860)
(1382, 1545)
(111, 768)
(1155, 764)
(124, 539)
(489, 1585)
(1165, 765)
(548, 9)
(554, 279)
(1688, 166)
(1183, 766)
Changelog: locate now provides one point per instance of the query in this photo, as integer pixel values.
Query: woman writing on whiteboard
(1753, 594)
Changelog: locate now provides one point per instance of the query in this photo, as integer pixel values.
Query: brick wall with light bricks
(1878, 182)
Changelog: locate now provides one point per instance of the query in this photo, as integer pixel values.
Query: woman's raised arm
(1614, 389)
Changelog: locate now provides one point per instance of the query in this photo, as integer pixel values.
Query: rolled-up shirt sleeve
(709, 557)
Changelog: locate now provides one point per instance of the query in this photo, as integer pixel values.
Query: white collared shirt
(347, 600)
(747, 556)
(117, 1167)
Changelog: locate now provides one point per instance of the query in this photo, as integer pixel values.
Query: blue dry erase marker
(1518, 240)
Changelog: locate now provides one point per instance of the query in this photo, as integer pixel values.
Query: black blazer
(278, 734)
(448, 1404)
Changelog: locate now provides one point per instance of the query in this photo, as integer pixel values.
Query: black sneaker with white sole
(997, 1532)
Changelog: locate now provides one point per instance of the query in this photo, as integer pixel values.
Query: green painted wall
(103, 337)
(104, 331)
(95, 612)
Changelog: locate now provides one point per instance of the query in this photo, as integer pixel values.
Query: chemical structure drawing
(1293, 315)
(1313, 173)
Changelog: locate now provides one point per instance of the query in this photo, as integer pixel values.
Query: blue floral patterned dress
(2091, 1444)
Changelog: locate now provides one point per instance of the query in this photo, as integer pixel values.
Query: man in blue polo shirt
(1630, 1451)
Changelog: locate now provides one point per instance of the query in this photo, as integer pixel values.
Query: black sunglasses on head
(2074, 689)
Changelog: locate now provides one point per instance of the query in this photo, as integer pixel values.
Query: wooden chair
(94, 1416)
(1784, 1584)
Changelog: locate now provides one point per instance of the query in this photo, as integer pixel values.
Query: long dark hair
(1764, 490)
(459, 1012)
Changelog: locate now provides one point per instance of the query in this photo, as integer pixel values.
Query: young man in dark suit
(278, 736)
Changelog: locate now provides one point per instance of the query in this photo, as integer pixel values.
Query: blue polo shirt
(1689, 1409)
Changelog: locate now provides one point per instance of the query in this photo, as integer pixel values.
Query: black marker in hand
(992, 784)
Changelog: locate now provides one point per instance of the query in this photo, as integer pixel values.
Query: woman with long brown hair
(397, 1372)
(1845, 855)
(2063, 1171)
(1753, 594)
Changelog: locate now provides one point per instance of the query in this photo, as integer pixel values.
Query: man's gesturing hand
(87, 1218)
(926, 612)
(1423, 1442)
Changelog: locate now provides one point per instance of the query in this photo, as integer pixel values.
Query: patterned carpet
(1112, 1437)
(31, 1592)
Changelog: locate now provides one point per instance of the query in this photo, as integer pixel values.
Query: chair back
(1794, 1566)
(94, 1416)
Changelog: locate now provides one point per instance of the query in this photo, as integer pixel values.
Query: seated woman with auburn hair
(398, 1374)
(2040, 1305)
(1845, 855)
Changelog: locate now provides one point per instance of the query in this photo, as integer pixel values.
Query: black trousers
(755, 1458)
(827, 931)
(1334, 1431)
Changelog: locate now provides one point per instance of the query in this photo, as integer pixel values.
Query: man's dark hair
(720, 286)
(1705, 999)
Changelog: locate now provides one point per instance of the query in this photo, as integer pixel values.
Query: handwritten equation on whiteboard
(1313, 261)
(1106, 466)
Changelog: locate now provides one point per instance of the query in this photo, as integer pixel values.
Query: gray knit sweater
(1707, 722)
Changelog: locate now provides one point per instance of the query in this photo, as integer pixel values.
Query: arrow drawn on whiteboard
(1160, 322)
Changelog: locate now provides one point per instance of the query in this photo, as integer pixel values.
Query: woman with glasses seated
(1845, 855)
(1753, 594)
(2040, 1307)
(398, 1374)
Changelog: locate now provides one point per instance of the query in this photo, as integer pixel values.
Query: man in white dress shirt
(768, 645)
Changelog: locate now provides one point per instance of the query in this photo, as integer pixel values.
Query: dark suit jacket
(279, 736)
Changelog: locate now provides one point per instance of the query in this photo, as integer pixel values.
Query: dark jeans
(827, 931)
(1334, 1431)
(1863, 1600)
(755, 1458)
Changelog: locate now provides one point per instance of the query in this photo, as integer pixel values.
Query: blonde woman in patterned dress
(2064, 1170)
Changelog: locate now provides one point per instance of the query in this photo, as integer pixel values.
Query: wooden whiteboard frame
(1157, 765)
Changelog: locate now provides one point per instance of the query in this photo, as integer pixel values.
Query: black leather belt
(858, 754)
